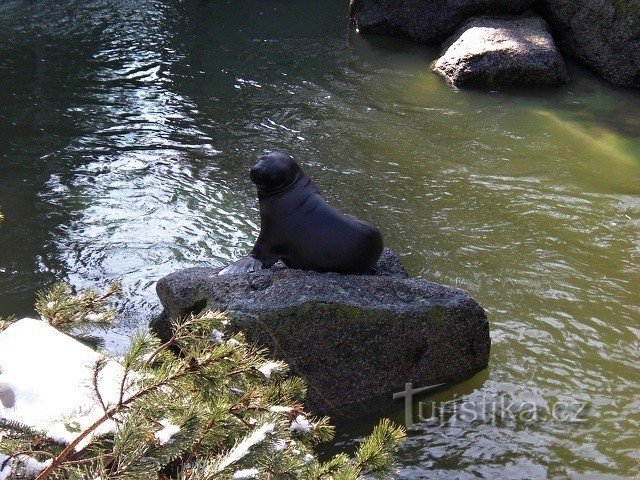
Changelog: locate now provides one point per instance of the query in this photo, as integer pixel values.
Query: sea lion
(299, 227)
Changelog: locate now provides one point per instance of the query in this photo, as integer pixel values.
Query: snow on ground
(49, 377)
(20, 466)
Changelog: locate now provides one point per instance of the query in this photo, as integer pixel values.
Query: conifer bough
(222, 409)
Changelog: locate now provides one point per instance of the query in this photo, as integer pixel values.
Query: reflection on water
(127, 129)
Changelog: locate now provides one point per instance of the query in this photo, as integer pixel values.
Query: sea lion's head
(275, 172)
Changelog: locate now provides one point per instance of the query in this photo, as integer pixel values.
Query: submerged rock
(356, 339)
(604, 34)
(430, 21)
(493, 51)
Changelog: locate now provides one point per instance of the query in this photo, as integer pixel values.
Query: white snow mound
(48, 376)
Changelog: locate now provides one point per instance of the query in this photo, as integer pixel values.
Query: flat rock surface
(494, 51)
(356, 339)
(430, 21)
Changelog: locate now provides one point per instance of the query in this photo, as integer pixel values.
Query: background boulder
(603, 34)
(430, 21)
(494, 51)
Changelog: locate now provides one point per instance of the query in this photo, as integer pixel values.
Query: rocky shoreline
(602, 34)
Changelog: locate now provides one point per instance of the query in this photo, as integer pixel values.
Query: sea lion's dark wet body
(299, 227)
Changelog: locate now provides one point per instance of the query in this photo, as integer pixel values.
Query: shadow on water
(127, 129)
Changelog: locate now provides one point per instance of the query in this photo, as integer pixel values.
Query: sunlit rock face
(604, 34)
(430, 21)
(356, 339)
(494, 51)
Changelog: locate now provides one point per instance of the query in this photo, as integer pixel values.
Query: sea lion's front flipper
(244, 265)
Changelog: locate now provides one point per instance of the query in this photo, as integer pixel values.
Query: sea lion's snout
(264, 176)
(274, 171)
(257, 173)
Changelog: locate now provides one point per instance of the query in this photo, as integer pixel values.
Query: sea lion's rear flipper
(244, 265)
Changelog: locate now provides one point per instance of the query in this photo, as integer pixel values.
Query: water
(127, 129)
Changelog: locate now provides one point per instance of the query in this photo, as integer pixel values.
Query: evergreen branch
(213, 407)
(99, 365)
(374, 456)
(166, 345)
(6, 321)
(84, 461)
(26, 434)
(60, 308)
(110, 413)
(69, 449)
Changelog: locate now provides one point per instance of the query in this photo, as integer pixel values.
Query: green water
(127, 129)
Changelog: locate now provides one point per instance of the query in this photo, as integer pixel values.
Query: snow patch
(20, 466)
(245, 474)
(217, 337)
(280, 445)
(240, 450)
(169, 430)
(300, 425)
(50, 376)
(280, 409)
(268, 368)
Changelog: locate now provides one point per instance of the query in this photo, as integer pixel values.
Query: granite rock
(356, 339)
(496, 51)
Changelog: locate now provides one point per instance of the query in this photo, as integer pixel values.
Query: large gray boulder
(494, 51)
(604, 34)
(356, 339)
(430, 21)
